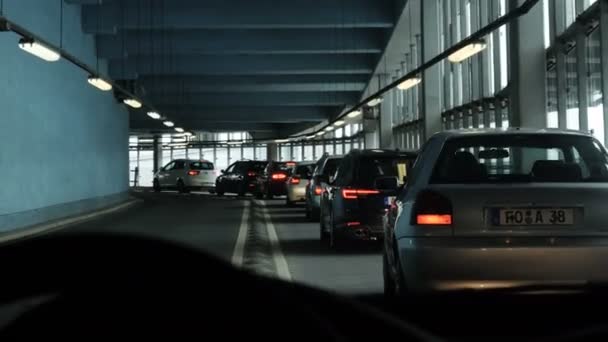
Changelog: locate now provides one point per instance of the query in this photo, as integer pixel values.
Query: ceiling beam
(249, 114)
(232, 14)
(131, 68)
(258, 99)
(155, 90)
(238, 41)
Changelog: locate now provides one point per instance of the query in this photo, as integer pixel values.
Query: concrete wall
(63, 143)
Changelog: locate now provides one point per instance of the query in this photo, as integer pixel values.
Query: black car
(240, 177)
(354, 205)
(271, 182)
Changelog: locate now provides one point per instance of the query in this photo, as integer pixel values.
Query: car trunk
(534, 209)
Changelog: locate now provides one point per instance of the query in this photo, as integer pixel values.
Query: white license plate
(536, 217)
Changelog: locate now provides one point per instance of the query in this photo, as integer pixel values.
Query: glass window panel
(261, 152)
(207, 154)
(297, 152)
(248, 153)
(146, 165)
(221, 161)
(285, 150)
(308, 152)
(318, 151)
(572, 121)
(595, 96)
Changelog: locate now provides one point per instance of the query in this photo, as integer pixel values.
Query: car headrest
(464, 165)
(556, 171)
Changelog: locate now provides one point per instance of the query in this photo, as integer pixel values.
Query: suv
(240, 177)
(354, 205)
(185, 175)
(325, 168)
(272, 181)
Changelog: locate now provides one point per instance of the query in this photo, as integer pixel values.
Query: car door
(176, 172)
(228, 178)
(164, 173)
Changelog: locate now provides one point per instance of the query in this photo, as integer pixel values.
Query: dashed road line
(277, 254)
(239, 247)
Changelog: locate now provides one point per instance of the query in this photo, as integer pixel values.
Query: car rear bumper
(296, 193)
(200, 183)
(277, 189)
(454, 264)
(356, 229)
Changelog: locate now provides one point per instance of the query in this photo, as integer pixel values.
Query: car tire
(335, 242)
(156, 186)
(181, 187)
(390, 290)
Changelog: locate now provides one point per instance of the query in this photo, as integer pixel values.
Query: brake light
(290, 163)
(353, 224)
(193, 173)
(295, 181)
(432, 208)
(251, 174)
(318, 190)
(279, 176)
(432, 219)
(355, 193)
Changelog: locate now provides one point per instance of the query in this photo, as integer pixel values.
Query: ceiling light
(409, 83)
(188, 134)
(375, 102)
(154, 115)
(132, 103)
(329, 128)
(320, 133)
(467, 51)
(99, 83)
(235, 143)
(281, 141)
(39, 50)
(311, 136)
(179, 129)
(339, 123)
(168, 123)
(354, 114)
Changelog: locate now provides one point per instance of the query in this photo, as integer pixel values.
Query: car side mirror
(387, 184)
(223, 171)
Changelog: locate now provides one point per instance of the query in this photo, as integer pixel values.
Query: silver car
(185, 175)
(500, 208)
(298, 181)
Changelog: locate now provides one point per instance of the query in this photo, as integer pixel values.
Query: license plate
(536, 217)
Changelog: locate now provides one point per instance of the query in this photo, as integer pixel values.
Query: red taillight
(432, 209)
(318, 190)
(434, 219)
(295, 181)
(279, 176)
(251, 174)
(353, 224)
(193, 173)
(290, 164)
(355, 193)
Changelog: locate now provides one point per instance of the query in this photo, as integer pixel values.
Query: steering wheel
(116, 286)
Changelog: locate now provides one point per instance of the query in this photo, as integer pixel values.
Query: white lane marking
(277, 254)
(45, 228)
(239, 247)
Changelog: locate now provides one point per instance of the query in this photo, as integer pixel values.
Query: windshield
(372, 168)
(304, 171)
(331, 165)
(521, 158)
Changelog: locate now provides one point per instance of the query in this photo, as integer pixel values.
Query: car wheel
(335, 242)
(389, 284)
(156, 186)
(181, 187)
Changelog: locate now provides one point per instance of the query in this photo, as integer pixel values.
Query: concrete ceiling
(257, 65)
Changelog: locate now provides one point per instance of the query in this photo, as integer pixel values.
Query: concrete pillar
(431, 80)
(604, 51)
(371, 129)
(157, 153)
(272, 151)
(528, 69)
(386, 117)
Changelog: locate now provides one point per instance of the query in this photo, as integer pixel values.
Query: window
(168, 166)
(179, 165)
(285, 150)
(201, 166)
(572, 120)
(595, 96)
(521, 158)
(231, 168)
(370, 168)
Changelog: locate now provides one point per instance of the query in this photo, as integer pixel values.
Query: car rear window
(201, 166)
(331, 166)
(257, 166)
(521, 158)
(304, 170)
(373, 167)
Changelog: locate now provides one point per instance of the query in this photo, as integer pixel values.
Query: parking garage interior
(97, 96)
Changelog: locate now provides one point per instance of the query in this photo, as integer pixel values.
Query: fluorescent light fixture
(311, 136)
(467, 51)
(145, 140)
(99, 83)
(178, 144)
(154, 115)
(281, 141)
(375, 102)
(188, 134)
(320, 133)
(39, 50)
(168, 123)
(329, 128)
(235, 143)
(132, 103)
(409, 83)
(354, 114)
(179, 129)
(339, 123)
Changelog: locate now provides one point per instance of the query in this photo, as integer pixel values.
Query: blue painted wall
(63, 143)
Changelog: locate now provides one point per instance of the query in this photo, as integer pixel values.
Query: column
(604, 54)
(272, 151)
(528, 69)
(157, 152)
(431, 78)
(386, 116)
